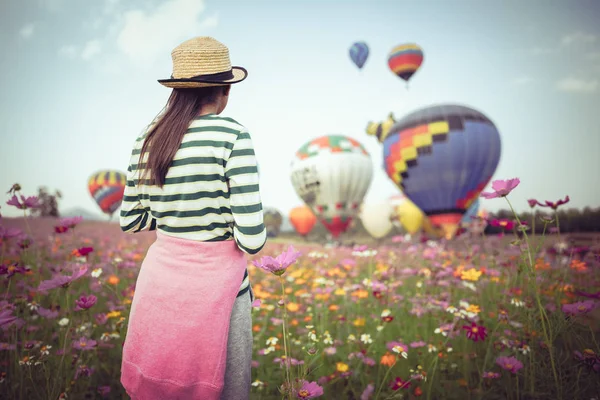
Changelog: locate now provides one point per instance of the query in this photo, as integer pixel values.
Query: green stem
(384, 379)
(285, 350)
(541, 309)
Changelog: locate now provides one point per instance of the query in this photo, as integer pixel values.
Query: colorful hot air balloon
(107, 187)
(272, 219)
(302, 219)
(442, 157)
(359, 52)
(405, 60)
(471, 212)
(332, 174)
(375, 218)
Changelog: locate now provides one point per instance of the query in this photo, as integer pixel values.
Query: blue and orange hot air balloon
(359, 52)
(442, 157)
(404, 60)
(107, 187)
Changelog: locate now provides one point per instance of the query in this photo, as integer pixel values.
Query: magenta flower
(7, 318)
(7, 233)
(555, 205)
(475, 332)
(70, 222)
(47, 313)
(24, 203)
(581, 307)
(309, 390)
(533, 202)
(62, 280)
(509, 363)
(279, 264)
(491, 375)
(84, 344)
(85, 302)
(369, 390)
(256, 303)
(501, 188)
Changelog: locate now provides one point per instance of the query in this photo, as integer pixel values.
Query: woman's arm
(244, 196)
(134, 217)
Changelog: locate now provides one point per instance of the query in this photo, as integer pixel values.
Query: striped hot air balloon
(107, 187)
(404, 60)
(442, 157)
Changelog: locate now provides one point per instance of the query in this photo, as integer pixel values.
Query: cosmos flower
(399, 383)
(475, 332)
(501, 188)
(581, 307)
(368, 392)
(85, 302)
(555, 204)
(84, 344)
(509, 364)
(533, 202)
(25, 202)
(309, 390)
(62, 280)
(279, 264)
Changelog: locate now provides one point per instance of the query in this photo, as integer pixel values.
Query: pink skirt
(176, 343)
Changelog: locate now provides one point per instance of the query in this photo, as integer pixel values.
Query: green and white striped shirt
(211, 191)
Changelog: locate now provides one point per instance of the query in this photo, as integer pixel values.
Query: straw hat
(200, 62)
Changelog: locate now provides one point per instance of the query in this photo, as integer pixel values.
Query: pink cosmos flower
(533, 202)
(85, 302)
(309, 390)
(581, 307)
(256, 303)
(501, 188)
(84, 344)
(369, 390)
(7, 318)
(279, 264)
(509, 363)
(7, 233)
(70, 222)
(24, 203)
(555, 205)
(491, 375)
(62, 280)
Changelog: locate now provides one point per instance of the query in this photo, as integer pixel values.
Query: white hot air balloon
(375, 217)
(332, 174)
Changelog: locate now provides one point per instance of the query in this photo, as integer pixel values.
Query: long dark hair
(166, 135)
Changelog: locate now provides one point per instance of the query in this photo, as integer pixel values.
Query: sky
(79, 83)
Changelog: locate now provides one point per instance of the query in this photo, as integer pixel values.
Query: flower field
(475, 318)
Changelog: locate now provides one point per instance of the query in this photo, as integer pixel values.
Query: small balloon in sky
(359, 52)
(404, 60)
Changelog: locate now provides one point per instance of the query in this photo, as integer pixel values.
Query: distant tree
(48, 203)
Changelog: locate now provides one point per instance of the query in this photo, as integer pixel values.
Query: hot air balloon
(404, 60)
(107, 187)
(302, 219)
(375, 218)
(471, 212)
(381, 129)
(332, 175)
(442, 157)
(272, 220)
(359, 52)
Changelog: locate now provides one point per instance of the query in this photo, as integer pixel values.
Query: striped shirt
(211, 191)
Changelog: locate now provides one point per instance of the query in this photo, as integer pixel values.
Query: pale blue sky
(79, 83)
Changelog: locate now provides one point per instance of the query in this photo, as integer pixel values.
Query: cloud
(68, 51)
(145, 36)
(578, 38)
(522, 80)
(91, 49)
(575, 85)
(594, 55)
(27, 31)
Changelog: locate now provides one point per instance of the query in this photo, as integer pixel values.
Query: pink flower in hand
(501, 188)
(279, 264)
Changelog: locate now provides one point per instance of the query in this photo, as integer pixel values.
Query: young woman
(193, 178)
